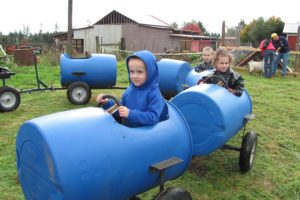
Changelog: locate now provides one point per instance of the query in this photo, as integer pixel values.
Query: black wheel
(215, 79)
(79, 93)
(248, 151)
(173, 194)
(9, 99)
(135, 198)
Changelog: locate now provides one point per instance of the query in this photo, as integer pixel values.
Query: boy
(207, 55)
(222, 60)
(142, 103)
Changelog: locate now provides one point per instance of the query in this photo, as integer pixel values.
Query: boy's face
(223, 63)
(137, 71)
(207, 56)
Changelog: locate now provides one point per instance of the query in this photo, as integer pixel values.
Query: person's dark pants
(269, 59)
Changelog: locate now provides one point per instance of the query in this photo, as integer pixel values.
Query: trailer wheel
(174, 194)
(248, 151)
(79, 93)
(9, 99)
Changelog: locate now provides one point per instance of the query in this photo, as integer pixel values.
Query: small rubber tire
(174, 193)
(79, 93)
(248, 151)
(9, 99)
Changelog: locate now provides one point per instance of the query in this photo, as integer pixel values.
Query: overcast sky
(44, 14)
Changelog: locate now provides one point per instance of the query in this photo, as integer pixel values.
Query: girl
(222, 61)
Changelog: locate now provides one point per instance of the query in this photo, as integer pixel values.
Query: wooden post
(70, 31)
(101, 45)
(97, 44)
(222, 43)
(297, 60)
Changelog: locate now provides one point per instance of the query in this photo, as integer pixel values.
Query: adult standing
(268, 51)
(282, 47)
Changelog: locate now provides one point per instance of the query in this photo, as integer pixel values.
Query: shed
(132, 33)
(291, 31)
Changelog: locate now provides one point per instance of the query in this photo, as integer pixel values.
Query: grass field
(276, 171)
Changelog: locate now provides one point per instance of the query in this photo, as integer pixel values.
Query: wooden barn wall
(204, 43)
(109, 35)
(155, 40)
(292, 40)
(195, 45)
(88, 39)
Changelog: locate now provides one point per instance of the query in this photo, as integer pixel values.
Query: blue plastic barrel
(98, 71)
(213, 114)
(194, 77)
(85, 154)
(172, 75)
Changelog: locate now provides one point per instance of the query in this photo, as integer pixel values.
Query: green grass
(276, 171)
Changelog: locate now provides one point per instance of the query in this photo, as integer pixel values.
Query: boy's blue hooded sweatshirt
(145, 103)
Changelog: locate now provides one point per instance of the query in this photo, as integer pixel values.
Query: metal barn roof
(116, 17)
(291, 27)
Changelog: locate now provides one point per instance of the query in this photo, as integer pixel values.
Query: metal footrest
(161, 166)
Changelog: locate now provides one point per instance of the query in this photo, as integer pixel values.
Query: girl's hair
(222, 52)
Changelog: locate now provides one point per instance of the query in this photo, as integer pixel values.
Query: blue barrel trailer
(86, 154)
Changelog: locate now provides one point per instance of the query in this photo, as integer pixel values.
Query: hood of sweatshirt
(151, 66)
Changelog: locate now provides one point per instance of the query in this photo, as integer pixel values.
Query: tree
(260, 29)
(241, 24)
(56, 28)
(192, 26)
(26, 31)
(202, 27)
(174, 25)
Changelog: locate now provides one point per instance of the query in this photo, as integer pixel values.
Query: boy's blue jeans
(269, 57)
(285, 60)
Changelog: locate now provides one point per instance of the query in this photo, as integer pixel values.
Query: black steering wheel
(113, 108)
(221, 82)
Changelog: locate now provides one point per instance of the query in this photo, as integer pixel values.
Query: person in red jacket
(268, 51)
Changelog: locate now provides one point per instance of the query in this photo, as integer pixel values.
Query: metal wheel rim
(79, 93)
(8, 99)
(253, 150)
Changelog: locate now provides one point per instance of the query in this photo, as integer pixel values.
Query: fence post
(297, 60)
(97, 44)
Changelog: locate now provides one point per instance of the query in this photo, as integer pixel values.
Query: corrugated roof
(140, 19)
(150, 20)
(194, 36)
(291, 27)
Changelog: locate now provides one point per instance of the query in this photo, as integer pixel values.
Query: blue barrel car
(172, 75)
(176, 75)
(214, 116)
(86, 154)
(80, 75)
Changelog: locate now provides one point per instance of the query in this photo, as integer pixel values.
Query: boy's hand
(231, 90)
(123, 111)
(200, 82)
(100, 99)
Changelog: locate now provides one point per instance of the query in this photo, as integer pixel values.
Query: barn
(119, 31)
(291, 31)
